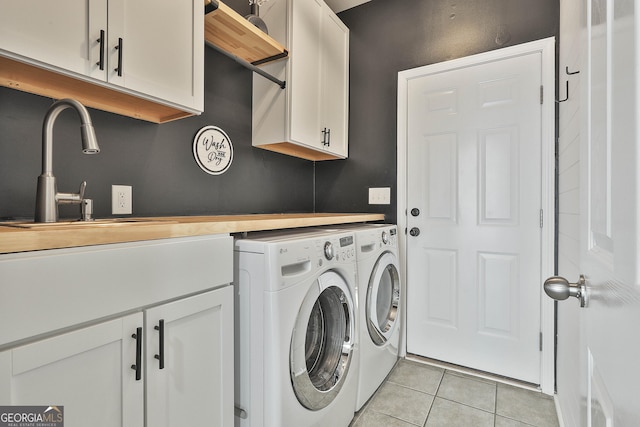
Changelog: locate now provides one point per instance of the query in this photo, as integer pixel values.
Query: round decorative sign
(213, 150)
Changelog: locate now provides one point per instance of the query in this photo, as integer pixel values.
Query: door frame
(546, 47)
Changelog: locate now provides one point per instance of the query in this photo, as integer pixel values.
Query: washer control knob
(385, 237)
(328, 251)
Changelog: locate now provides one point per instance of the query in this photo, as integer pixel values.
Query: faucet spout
(47, 196)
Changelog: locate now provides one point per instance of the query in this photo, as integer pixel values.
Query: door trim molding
(546, 47)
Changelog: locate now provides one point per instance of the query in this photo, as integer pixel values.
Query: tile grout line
(395, 418)
(444, 371)
(495, 407)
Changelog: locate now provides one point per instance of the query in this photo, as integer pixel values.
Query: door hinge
(541, 94)
(540, 341)
(541, 218)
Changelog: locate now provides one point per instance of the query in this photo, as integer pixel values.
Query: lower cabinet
(177, 357)
(87, 371)
(190, 361)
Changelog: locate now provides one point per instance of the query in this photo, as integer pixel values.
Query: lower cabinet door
(87, 371)
(189, 367)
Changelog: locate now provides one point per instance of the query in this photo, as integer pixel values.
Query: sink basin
(96, 223)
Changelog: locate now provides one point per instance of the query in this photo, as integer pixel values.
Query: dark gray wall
(155, 159)
(391, 36)
(386, 37)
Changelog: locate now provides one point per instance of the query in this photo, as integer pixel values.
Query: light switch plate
(380, 196)
(121, 203)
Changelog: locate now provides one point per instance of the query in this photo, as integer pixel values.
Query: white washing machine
(379, 292)
(296, 332)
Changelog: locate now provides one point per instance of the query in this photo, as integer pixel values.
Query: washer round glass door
(322, 342)
(383, 297)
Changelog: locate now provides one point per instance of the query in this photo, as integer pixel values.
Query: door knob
(415, 212)
(415, 231)
(560, 289)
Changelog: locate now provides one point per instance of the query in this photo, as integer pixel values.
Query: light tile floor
(417, 394)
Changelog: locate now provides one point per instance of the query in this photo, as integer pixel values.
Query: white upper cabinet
(152, 50)
(309, 118)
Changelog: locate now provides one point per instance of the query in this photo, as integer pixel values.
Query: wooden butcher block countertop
(28, 236)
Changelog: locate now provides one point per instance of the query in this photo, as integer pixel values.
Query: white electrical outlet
(380, 196)
(121, 199)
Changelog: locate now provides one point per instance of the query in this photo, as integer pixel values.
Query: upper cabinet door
(335, 83)
(304, 79)
(64, 34)
(156, 47)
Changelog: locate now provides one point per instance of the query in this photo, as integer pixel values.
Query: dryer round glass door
(383, 298)
(322, 342)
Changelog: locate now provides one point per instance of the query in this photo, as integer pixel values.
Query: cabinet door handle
(119, 49)
(101, 43)
(138, 366)
(160, 355)
(326, 137)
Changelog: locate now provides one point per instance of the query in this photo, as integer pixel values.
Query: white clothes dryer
(296, 333)
(379, 292)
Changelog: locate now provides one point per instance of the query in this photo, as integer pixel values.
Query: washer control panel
(340, 248)
(347, 248)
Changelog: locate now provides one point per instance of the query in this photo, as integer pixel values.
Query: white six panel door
(474, 173)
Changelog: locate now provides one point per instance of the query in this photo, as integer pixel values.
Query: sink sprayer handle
(72, 198)
(83, 186)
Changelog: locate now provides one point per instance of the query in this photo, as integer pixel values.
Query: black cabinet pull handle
(160, 355)
(119, 49)
(326, 137)
(138, 366)
(101, 43)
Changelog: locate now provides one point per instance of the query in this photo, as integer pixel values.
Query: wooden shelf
(232, 33)
(29, 78)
